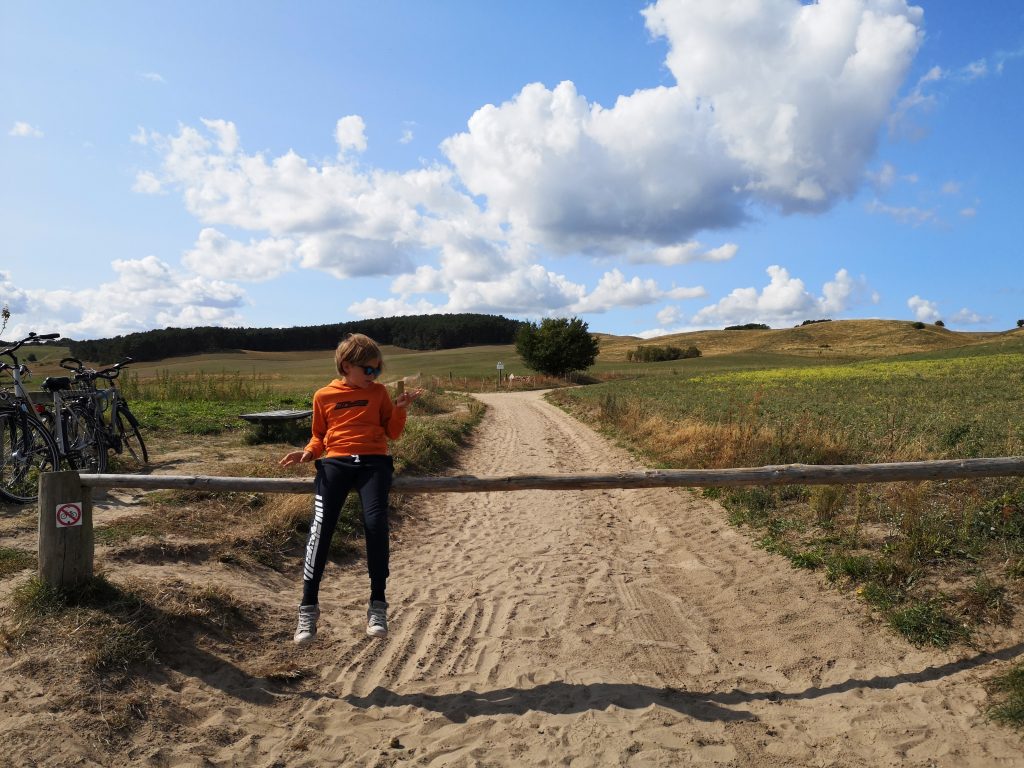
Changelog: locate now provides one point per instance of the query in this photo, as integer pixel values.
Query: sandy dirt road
(624, 628)
(590, 628)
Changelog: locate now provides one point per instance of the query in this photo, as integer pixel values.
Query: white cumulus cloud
(924, 310)
(776, 102)
(24, 130)
(146, 293)
(969, 317)
(218, 256)
(685, 253)
(350, 133)
(783, 301)
(146, 183)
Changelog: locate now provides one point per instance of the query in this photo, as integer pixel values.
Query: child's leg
(333, 482)
(373, 484)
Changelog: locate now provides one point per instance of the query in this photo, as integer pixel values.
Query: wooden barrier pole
(787, 474)
(65, 530)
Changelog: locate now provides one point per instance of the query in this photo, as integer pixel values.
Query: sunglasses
(369, 370)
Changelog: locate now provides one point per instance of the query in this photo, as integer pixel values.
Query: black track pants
(335, 477)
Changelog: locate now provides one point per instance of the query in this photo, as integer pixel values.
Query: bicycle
(27, 449)
(120, 431)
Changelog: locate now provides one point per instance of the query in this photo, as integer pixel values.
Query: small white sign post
(501, 367)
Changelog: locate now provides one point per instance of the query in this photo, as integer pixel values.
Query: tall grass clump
(227, 386)
(899, 546)
(203, 403)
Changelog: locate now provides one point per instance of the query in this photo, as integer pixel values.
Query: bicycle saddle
(56, 383)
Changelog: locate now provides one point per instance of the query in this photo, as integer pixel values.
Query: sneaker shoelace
(307, 621)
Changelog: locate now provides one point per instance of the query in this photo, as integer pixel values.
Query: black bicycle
(27, 449)
(103, 414)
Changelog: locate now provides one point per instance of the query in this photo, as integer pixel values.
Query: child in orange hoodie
(353, 418)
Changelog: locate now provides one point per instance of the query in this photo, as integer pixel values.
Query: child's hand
(296, 457)
(407, 397)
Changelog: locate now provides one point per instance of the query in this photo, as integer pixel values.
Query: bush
(919, 325)
(940, 324)
(655, 354)
(1020, 323)
(812, 322)
(748, 327)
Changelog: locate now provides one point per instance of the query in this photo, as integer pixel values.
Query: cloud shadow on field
(559, 697)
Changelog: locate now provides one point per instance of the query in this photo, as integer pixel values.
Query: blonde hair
(357, 349)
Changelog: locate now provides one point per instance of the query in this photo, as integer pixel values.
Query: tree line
(421, 332)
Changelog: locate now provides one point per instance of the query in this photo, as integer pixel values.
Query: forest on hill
(422, 332)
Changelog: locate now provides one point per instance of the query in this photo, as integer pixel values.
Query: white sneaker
(377, 619)
(306, 631)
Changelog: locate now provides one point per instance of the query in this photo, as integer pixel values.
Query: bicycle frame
(23, 400)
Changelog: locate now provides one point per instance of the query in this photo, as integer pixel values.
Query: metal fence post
(66, 543)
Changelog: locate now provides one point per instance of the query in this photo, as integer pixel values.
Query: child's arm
(315, 446)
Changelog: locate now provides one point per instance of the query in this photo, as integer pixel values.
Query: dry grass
(846, 339)
(95, 648)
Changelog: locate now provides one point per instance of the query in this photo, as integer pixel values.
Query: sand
(589, 628)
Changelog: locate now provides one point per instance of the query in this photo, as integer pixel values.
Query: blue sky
(650, 167)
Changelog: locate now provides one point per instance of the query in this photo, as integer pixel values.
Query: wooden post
(399, 387)
(65, 530)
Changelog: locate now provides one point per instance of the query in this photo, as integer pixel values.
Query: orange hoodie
(349, 421)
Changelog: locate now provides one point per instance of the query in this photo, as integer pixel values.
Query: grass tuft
(14, 560)
(1008, 694)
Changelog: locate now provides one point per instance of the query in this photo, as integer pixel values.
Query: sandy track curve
(617, 628)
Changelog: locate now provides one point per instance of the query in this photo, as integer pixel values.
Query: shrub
(748, 327)
(812, 322)
(1020, 323)
(940, 324)
(655, 354)
(919, 325)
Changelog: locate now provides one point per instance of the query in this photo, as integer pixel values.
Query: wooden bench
(276, 417)
(277, 425)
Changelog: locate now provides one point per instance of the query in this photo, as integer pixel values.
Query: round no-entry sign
(69, 514)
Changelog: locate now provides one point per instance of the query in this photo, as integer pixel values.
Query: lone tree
(1020, 323)
(557, 347)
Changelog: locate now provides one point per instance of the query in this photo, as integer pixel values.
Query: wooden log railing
(66, 550)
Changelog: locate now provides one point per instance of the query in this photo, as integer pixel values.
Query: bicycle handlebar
(110, 373)
(77, 367)
(30, 339)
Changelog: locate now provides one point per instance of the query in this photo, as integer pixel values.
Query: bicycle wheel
(85, 444)
(26, 451)
(131, 439)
